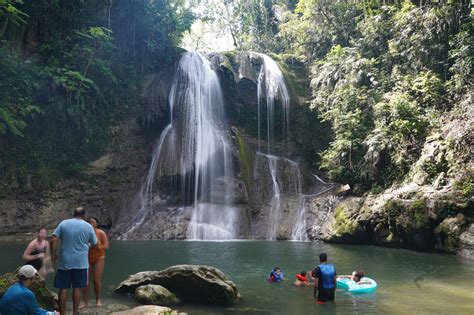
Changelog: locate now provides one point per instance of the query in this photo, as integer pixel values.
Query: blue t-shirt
(19, 300)
(75, 235)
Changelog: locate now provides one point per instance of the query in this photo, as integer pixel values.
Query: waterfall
(292, 184)
(195, 150)
(272, 82)
(298, 232)
(146, 193)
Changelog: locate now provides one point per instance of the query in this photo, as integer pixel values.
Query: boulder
(45, 298)
(448, 232)
(156, 295)
(191, 283)
(466, 243)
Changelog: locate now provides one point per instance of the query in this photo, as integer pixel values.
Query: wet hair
(93, 218)
(41, 228)
(360, 273)
(276, 268)
(80, 212)
(323, 257)
(303, 273)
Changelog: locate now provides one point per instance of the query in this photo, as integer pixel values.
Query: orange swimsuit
(96, 253)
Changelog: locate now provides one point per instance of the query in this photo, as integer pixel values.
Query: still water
(408, 282)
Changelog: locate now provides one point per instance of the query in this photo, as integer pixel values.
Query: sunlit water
(409, 282)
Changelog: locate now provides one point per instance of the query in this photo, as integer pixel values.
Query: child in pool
(276, 275)
(301, 279)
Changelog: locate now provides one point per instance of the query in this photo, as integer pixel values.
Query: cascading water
(272, 82)
(271, 88)
(299, 226)
(195, 147)
(291, 184)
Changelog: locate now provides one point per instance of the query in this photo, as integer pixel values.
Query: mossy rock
(465, 184)
(245, 160)
(448, 232)
(410, 224)
(343, 225)
(408, 216)
(44, 297)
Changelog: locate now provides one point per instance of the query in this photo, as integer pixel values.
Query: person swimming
(276, 275)
(301, 279)
(356, 276)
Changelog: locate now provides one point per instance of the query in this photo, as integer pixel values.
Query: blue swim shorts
(78, 278)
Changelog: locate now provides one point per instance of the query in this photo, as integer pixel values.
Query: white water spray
(272, 82)
(195, 145)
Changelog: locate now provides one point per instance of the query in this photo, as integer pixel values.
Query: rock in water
(191, 283)
(44, 297)
(156, 295)
(146, 310)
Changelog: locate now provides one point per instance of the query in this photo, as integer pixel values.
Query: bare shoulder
(101, 233)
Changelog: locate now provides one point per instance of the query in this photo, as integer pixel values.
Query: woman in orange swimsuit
(96, 263)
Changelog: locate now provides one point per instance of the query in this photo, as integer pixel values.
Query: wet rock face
(156, 295)
(44, 297)
(191, 283)
(410, 217)
(107, 188)
(466, 243)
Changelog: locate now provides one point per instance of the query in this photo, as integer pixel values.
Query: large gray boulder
(191, 283)
(156, 295)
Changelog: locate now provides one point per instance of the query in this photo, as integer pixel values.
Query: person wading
(37, 254)
(96, 263)
(75, 235)
(325, 280)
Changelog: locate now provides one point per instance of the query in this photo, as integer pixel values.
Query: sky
(207, 36)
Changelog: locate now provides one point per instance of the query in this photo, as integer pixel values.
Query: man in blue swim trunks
(325, 280)
(72, 262)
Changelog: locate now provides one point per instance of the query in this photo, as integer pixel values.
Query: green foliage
(70, 71)
(10, 14)
(380, 75)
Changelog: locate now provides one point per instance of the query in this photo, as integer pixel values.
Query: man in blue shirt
(72, 262)
(19, 300)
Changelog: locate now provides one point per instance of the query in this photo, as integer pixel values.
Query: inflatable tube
(352, 286)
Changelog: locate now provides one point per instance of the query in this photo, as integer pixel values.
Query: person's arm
(103, 241)
(33, 307)
(54, 246)
(315, 275)
(48, 250)
(54, 242)
(27, 253)
(92, 237)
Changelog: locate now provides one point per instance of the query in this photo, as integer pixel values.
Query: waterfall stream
(271, 86)
(194, 149)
